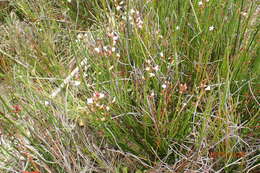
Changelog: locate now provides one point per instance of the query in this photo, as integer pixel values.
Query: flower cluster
(98, 46)
(211, 28)
(114, 36)
(86, 38)
(183, 88)
(98, 103)
(107, 50)
(164, 86)
(151, 68)
(134, 18)
(17, 108)
(205, 87)
(200, 3)
(104, 50)
(120, 6)
(96, 96)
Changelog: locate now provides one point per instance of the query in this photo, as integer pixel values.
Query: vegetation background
(129, 86)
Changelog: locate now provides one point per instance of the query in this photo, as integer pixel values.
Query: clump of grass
(167, 86)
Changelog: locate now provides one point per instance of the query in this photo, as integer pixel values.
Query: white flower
(97, 50)
(208, 88)
(140, 26)
(118, 8)
(200, 3)
(69, 1)
(90, 101)
(46, 103)
(156, 68)
(207, 0)
(79, 36)
(98, 95)
(148, 61)
(211, 28)
(244, 14)
(161, 54)
(132, 11)
(75, 83)
(113, 49)
(177, 27)
(147, 69)
(101, 95)
(106, 48)
(151, 74)
(164, 86)
(124, 17)
(115, 37)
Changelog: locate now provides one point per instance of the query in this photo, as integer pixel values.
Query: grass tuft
(129, 86)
